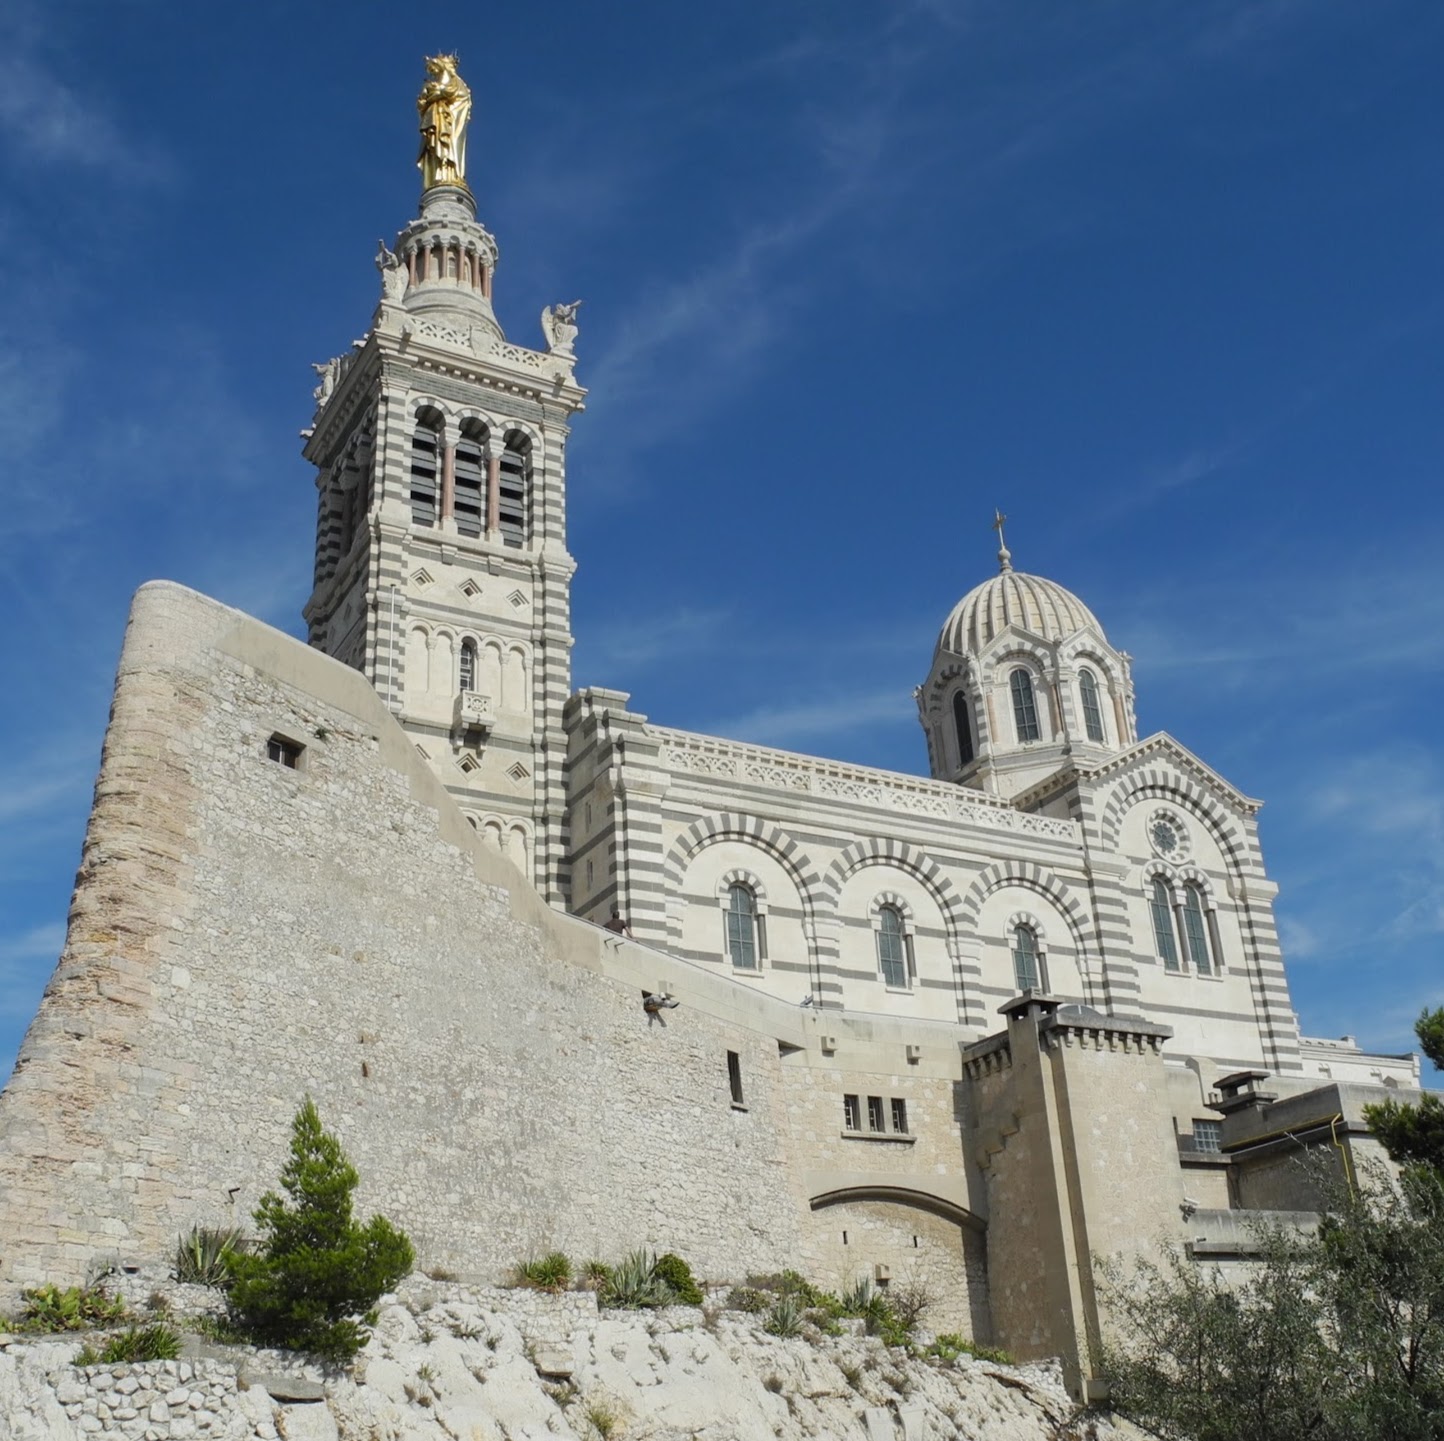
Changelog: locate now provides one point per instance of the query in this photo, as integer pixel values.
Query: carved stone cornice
(1160, 744)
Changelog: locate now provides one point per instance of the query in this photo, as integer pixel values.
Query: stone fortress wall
(243, 933)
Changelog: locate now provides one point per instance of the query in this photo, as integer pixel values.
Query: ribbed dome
(1012, 598)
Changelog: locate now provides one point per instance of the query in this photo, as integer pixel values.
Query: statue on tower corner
(559, 325)
(393, 272)
(445, 107)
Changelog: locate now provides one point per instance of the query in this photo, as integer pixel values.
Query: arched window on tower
(1027, 962)
(425, 467)
(513, 509)
(1195, 930)
(1025, 708)
(469, 470)
(1088, 694)
(742, 928)
(893, 946)
(1160, 907)
(468, 665)
(963, 725)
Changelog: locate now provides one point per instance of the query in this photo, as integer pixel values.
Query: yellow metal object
(444, 106)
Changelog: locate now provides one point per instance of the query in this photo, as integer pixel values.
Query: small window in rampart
(875, 1121)
(851, 1114)
(899, 1115)
(734, 1077)
(284, 752)
(1208, 1136)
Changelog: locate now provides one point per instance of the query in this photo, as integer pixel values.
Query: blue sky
(1161, 281)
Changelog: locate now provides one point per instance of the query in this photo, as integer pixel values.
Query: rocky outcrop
(456, 1363)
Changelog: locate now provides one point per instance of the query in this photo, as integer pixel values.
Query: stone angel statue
(329, 373)
(444, 106)
(559, 325)
(393, 273)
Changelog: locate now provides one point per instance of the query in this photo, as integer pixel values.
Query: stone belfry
(442, 570)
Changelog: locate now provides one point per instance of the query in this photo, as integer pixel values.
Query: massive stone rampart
(244, 933)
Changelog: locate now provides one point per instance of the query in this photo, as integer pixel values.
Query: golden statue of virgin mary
(445, 107)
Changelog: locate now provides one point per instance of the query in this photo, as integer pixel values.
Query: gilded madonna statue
(445, 107)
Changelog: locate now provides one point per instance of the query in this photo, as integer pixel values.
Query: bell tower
(442, 570)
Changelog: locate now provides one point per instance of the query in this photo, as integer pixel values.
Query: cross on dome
(1005, 556)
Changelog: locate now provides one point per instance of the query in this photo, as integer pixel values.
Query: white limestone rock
(458, 1362)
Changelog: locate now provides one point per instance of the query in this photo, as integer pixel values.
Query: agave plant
(634, 1284)
(785, 1317)
(200, 1256)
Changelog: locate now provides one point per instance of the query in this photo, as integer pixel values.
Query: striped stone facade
(463, 628)
(664, 821)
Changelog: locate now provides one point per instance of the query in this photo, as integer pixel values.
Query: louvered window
(1025, 709)
(468, 665)
(469, 503)
(425, 461)
(1161, 909)
(1092, 715)
(513, 496)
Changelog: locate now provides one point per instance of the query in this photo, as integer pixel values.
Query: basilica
(567, 978)
(1050, 849)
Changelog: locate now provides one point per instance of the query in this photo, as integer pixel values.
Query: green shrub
(315, 1276)
(595, 1274)
(749, 1299)
(632, 1284)
(141, 1343)
(86, 1356)
(50, 1309)
(825, 1320)
(221, 1329)
(602, 1417)
(552, 1272)
(949, 1346)
(675, 1273)
(200, 1256)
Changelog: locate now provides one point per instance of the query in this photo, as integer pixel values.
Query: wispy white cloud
(685, 631)
(833, 715)
(43, 778)
(47, 123)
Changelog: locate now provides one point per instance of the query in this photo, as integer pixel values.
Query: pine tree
(312, 1282)
(1414, 1135)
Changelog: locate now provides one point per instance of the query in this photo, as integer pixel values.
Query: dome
(1013, 598)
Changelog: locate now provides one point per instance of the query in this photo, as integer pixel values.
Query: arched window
(514, 491)
(1195, 929)
(741, 917)
(963, 725)
(1088, 694)
(1027, 963)
(468, 665)
(1025, 710)
(892, 948)
(1161, 908)
(469, 478)
(425, 467)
